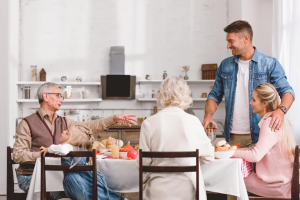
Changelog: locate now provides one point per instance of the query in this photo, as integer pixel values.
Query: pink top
(272, 165)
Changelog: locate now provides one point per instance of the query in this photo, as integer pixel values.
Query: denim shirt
(262, 68)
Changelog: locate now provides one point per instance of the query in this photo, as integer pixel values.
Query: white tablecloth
(221, 176)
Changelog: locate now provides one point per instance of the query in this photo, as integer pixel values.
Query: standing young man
(236, 78)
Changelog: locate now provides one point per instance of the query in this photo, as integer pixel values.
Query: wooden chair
(76, 168)
(142, 168)
(295, 181)
(10, 185)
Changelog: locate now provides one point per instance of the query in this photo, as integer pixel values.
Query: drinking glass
(115, 150)
(211, 134)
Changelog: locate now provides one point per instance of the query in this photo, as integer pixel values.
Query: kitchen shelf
(66, 100)
(188, 81)
(59, 83)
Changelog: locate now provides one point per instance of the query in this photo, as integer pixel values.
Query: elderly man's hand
(277, 119)
(44, 149)
(125, 119)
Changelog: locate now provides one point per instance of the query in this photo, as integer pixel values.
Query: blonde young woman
(273, 153)
(78, 185)
(172, 129)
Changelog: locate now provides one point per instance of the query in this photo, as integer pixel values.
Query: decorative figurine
(186, 69)
(165, 75)
(148, 77)
(79, 79)
(43, 75)
(63, 78)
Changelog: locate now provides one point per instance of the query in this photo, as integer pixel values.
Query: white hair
(46, 87)
(174, 91)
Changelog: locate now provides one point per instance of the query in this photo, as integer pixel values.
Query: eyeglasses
(58, 95)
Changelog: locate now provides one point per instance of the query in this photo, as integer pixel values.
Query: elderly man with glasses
(44, 128)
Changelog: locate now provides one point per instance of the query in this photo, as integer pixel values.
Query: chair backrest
(295, 180)
(10, 175)
(178, 154)
(76, 168)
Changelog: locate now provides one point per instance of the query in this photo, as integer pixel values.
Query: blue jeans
(24, 183)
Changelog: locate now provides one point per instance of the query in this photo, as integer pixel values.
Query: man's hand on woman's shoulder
(277, 119)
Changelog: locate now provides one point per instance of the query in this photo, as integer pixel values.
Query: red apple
(132, 154)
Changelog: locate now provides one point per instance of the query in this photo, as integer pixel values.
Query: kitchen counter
(125, 127)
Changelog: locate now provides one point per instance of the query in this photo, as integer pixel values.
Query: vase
(186, 76)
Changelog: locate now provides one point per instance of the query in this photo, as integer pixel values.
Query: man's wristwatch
(284, 109)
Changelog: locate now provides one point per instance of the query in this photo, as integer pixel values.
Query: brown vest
(41, 135)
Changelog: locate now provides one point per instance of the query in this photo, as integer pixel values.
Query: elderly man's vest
(41, 135)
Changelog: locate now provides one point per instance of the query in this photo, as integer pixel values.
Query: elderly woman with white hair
(172, 129)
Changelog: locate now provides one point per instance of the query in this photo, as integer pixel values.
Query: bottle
(153, 94)
(68, 92)
(165, 75)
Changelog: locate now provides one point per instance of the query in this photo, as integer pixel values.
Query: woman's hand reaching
(44, 149)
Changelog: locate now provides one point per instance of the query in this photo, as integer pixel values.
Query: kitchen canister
(27, 92)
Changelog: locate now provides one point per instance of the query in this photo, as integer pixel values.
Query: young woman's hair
(81, 136)
(267, 93)
(174, 92)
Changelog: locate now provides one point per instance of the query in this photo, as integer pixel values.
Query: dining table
(220, 176)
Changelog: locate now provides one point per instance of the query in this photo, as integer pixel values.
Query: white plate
(100, 156)
(223, 154)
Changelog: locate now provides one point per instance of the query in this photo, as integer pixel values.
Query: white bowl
(108, 154)
(223, 154)
(123, 154)
(102, 150)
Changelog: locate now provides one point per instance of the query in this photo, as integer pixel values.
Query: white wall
(259, 13)
(4, 82)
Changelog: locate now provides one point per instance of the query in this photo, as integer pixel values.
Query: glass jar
(68, 92)
(27, 92)
(33, 69)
